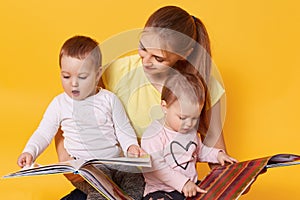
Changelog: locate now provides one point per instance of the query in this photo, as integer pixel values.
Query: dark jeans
(164, 195)
(75, 195)
(79, 195)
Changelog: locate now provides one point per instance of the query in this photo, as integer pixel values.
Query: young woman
(172, 39)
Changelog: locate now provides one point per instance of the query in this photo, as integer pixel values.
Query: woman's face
(155, 60)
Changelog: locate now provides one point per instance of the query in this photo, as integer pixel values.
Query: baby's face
(79, 77)
(182, 116)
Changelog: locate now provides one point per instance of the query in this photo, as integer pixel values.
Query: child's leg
(130, 180)
(76, 194)
(95, 195)
(92, 193)
(88, 190)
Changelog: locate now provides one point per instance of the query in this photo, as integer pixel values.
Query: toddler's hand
(223, 157)
(190, 189)
(25, 160)
(135, 151)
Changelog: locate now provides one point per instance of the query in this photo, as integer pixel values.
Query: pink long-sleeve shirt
(174, 156)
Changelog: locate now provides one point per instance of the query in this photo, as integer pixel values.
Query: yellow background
(255, 46)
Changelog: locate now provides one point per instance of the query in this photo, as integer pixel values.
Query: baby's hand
(223, 157)
(135, 151)
(25, 160)
(190, 189)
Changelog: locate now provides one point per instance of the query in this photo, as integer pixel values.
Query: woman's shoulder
(216, 89)
(114, 71)
(124, 63)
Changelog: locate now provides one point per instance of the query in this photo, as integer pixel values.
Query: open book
(88, 170)
(231, 181)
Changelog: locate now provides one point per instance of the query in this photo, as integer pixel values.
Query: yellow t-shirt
(126, 78)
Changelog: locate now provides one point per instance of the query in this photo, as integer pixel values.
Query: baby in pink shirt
(173, 142)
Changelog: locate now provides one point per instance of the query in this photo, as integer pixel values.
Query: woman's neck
(157, 80)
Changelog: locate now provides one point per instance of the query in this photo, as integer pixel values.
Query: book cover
(231, 181)
(88, 170)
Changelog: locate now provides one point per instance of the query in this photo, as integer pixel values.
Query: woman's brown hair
(182, 32)
(192, 35)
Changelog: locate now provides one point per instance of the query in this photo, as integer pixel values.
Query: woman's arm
(214, 136)
(63, 155)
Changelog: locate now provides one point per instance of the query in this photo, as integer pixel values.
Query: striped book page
(229, 182)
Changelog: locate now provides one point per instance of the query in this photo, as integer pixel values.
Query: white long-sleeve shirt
(96, 127)
(174, 156)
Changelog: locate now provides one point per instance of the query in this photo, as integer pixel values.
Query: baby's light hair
(190, 87)
(185, 86)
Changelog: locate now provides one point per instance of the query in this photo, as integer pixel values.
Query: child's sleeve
(125, 133)
(45, 132)
(207, 154)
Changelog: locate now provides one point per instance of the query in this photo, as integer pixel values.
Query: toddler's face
(182, 116)
(79, 77)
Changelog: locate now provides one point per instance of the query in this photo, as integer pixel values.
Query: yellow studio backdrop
(255, 46)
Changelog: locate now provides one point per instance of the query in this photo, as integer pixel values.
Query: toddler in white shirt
(93, 120)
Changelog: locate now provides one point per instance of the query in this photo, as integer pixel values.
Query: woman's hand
(64, 156)
(223, 157)
(190, 189)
